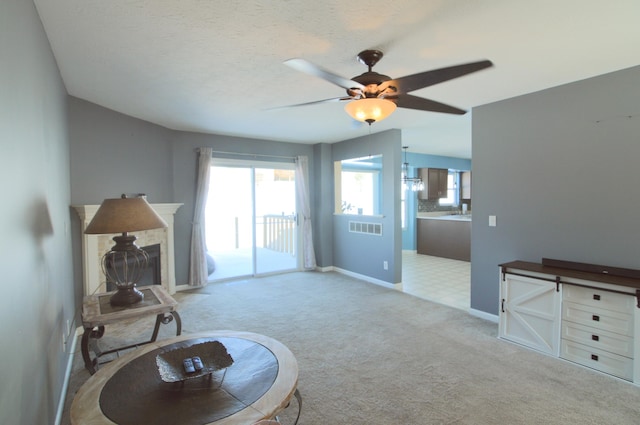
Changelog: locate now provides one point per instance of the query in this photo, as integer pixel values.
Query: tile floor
(437, 279)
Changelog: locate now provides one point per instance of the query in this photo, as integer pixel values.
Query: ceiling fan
(375, 96)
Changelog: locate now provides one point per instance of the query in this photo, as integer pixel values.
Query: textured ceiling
(216, 66)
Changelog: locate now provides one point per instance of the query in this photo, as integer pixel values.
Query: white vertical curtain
(198, 255)
(302, 191)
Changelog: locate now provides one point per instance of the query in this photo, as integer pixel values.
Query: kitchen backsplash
(426, 205)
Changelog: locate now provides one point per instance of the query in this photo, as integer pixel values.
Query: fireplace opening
(151, 276)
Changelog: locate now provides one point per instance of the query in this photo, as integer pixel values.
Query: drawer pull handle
(596, 297)
(595, 337)
(594, 357)
(595, 318)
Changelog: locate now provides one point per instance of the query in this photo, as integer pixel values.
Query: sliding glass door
(229, 222)
(275, 220)
(250, 219)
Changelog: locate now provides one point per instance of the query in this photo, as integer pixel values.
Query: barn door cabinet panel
(529, 310)
(529, 313)
(435, 180)
(583, 313)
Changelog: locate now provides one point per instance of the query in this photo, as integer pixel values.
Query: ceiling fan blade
(333, 99)
(421, 80)
(414, 102)
(312, 69)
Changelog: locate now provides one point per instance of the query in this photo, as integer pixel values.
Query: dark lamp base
(126, 296)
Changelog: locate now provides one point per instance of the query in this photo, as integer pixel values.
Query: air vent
(363, 227)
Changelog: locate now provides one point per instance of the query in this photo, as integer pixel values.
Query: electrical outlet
(385, 265)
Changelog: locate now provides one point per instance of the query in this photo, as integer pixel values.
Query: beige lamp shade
(123, 215)
(370, 109)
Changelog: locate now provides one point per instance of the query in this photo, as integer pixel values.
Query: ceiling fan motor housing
(370, 79)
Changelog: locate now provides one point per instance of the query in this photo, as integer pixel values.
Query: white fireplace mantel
(95, 246)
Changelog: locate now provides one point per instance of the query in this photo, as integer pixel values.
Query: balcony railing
(279, 233)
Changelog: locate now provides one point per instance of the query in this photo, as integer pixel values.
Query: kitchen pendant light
(415, 184)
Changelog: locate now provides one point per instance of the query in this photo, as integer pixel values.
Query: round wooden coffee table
(258, 385)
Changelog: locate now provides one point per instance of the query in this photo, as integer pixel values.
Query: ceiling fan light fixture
(370, 109)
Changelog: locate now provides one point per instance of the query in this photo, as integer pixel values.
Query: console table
(97, 312)
(587, 314)
(258, 385)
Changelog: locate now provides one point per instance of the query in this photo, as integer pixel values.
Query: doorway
(251, 219)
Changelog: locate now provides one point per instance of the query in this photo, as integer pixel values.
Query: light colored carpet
(371, 355)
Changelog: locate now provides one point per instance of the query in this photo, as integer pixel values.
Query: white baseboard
(367, 278)
(325, 269)
(484, 315)
(67, 375)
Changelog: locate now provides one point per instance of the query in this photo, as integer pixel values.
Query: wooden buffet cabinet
(584, 313)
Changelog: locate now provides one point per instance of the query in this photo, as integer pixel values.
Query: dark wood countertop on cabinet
(604, 274)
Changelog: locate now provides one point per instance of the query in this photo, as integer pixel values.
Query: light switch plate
(492, 221)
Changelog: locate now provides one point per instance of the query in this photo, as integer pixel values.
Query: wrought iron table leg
(298, 397)
(178, 322)
(165, 318)
(91, 333)
(84, 347)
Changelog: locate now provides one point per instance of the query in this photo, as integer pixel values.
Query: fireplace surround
(94, 247)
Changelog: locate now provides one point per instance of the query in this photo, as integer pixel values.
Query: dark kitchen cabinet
(435, 183)
(444, 238)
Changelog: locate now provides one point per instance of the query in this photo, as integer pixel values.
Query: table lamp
(125, 263)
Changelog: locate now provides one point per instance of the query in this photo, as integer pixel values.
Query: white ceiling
(216, 66)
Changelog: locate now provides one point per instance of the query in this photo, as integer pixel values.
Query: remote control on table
(197, 363)
(188, 366)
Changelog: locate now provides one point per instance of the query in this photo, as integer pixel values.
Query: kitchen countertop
(451, 217)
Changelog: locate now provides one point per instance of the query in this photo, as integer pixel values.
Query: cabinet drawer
(603, 361)
(598, 298)
(598, 318)
(597, 338)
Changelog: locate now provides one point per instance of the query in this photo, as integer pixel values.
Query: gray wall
(322, 215)
(361, 253)
(37, 273)
(559, 169)
(112, 153)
